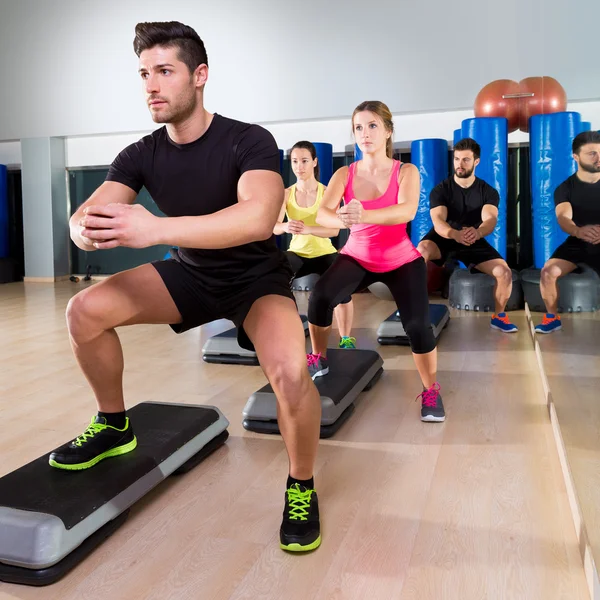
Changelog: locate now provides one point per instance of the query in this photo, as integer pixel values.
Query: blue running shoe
(502, 323)
(549, 324)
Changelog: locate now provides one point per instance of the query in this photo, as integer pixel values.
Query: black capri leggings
(307, 266)
(408, 285)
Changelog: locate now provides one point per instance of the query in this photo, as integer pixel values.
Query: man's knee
(289, 378)
(503, 275)
(425, 249)
(550, 273)
(87, 313)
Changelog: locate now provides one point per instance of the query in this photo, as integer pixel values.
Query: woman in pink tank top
(380, 196)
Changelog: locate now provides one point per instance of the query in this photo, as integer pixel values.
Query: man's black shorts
(198, 304)
(579, 252)
(479, 252)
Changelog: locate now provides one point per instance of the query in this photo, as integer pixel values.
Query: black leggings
(408, 285)
(307, 266)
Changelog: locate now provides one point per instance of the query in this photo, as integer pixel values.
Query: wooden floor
(473, 509)
(572, 365)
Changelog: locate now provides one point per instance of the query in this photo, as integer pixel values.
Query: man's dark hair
(469, 144)
(585, 137)
(171, 34)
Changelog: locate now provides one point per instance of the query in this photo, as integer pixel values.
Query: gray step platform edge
(262, 406)
(228, 346)
(392, 327)
(36, 540)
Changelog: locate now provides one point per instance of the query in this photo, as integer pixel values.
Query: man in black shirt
(464, 209)
(218, 182)
(577, 202)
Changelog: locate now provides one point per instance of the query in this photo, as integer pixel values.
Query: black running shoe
(97, 442)
(432, 407)
(300, 530)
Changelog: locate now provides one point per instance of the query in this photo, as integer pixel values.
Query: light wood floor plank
(471, 509)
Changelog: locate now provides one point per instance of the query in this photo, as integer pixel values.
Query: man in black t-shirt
(464, 209)
(577, 202)
(217, 181)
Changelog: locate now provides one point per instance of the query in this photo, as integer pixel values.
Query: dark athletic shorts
(481, 251)
(579, 252)
(198, 304)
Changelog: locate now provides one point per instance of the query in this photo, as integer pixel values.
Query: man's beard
(464, 175)
(177, 114)
(590, 167)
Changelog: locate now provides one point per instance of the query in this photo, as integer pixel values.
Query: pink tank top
(379, 248)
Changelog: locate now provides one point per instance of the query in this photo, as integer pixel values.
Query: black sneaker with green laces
(97, 442)
(300, 530)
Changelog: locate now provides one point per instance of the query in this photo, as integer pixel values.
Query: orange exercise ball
(549, 96)
(491, 103)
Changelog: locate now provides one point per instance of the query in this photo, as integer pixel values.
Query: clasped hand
(113, 225)
(467, 236)
(351, 213)
(294, 227)
(589, 233)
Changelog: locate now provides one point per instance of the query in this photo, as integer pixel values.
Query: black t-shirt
(584, 198)
(201, 178)
(464, 204)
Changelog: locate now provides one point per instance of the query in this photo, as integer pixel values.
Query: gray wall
(72, 69)
(45, 210)
(60, 209)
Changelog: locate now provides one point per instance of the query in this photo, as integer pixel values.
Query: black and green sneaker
(97, 442)
(300, 530)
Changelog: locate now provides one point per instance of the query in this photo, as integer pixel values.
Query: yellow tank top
(307, 246)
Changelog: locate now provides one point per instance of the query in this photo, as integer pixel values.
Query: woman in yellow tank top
(311, 250)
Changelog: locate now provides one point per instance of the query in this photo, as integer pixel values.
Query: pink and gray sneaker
(317, 365)
(432, 408)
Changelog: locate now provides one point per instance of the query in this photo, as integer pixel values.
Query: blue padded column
(357, 153)
(431, 158)
(325, 158)
(551, 137)
(457, 136)
(491, 133)
(585, 126)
